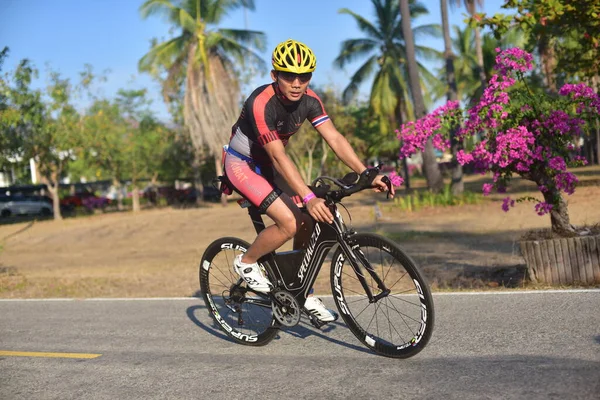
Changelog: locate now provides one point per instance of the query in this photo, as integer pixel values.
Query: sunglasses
(291, 77)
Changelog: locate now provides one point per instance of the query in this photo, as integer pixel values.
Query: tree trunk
(219, 170)
(210, 107)
(548, 60)
(52, 185)
(433, 175)
(399, 119)
(135, 196)
(457, 184)
(479, 50)
(55, 201)
(117, 185)
(324, 154)
(479, 69)
(559, 216)
(596, 85)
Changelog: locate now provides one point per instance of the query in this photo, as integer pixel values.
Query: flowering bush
(531, 135)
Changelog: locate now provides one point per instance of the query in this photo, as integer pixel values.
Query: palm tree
(471, 6)
(202, 60)
(452, 95)
(468, 85)
(384, 48)
(435, 182)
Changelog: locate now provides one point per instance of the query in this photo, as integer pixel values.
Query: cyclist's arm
(345, 152)
(340, 146)
(286, 168)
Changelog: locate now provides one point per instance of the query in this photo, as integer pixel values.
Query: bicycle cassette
(285, 308)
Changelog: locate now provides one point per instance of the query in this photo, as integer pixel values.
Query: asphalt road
(543, 345)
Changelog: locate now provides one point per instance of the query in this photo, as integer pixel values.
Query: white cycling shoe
(252, 274)
(315, 306)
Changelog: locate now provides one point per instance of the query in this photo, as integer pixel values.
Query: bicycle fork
(357, 258)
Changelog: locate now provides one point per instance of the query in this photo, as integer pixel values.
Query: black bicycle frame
(296, 271)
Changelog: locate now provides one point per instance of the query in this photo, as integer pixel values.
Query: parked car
(84, 199)
(25, 205)
(211, 193)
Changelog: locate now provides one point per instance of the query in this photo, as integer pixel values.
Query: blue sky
(110, 35)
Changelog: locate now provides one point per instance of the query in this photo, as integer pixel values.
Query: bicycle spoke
(374, 315)
(358, 315)
(399, 279)
(222, 273)
(355, 301)
(418, 305)
(355, 292)
(222, 284)
(393, 326)
(402, 315)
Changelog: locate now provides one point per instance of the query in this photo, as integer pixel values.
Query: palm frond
(213, 11)
(187, 22)
(229, 48)
(359, 77)
(434, 30)
(428, 53)
(387, 14)
(162, 54)
(352, 49)
(363, 24)
(154, 7)
(417, 9)
(255, 39)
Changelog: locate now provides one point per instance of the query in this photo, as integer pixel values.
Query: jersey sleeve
(316, 110)
(265, 123)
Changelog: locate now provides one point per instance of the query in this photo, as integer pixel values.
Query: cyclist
(257, 166)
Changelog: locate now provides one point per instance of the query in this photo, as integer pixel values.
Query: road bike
(378, 289)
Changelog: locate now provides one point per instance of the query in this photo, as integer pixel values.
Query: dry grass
(156, 252)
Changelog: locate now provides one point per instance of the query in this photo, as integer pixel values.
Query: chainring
(285, 308)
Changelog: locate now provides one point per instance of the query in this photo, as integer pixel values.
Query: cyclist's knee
(289, 225)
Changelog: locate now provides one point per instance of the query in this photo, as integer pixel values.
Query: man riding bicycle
(257, 166)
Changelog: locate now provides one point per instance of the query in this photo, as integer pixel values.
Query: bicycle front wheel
(398, 325)
(243, 315)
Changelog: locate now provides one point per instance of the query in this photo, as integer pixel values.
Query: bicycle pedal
(317, 323)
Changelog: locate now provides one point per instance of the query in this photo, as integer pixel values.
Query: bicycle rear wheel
(243, 315)
(398, 325)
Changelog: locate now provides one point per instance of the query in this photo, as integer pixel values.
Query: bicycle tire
(409, 304)
(216, 278)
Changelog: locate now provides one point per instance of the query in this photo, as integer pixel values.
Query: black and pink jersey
(267, 116)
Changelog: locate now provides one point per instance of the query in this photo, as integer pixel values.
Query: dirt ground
(156, 252)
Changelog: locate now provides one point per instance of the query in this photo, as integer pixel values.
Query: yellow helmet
(293, 56)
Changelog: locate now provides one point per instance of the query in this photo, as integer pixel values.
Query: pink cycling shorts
(254, 187)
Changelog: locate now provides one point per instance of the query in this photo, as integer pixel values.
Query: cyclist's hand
(380, 186)
(319, 211)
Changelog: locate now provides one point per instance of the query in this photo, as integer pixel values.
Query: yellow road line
(42, 354)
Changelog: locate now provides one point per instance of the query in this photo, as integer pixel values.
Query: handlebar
(349, 184)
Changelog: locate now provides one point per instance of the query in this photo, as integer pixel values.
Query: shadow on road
(301, 331)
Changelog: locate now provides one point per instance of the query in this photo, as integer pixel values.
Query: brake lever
(388, 183)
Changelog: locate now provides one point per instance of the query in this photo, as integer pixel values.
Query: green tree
(45, 132)
(471, 6)
(144, 142)
(435, 182)
(103, 145)
(565, 34)
(385, 49)
(8, 116)
(203, 60)
(468, 85)
(451, 95)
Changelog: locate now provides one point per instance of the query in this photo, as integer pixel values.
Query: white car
(25, 205)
